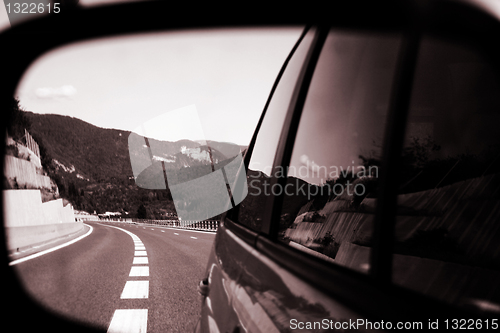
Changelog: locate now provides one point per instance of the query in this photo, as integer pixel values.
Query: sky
(220, 78)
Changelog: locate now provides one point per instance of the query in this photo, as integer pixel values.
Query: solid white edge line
(189, 230)
(41, 253)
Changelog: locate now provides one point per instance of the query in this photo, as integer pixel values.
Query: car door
(313, 239)
(262, 276)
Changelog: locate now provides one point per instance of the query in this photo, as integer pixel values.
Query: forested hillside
(92, 167)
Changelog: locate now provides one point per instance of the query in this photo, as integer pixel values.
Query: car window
(330, 194)
(447, 230)
(261, 162)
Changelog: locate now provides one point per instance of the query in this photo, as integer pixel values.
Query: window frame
(384, 219)
(284, 149)
(232, 214)
(349, 285)
(399, 100)
(358, 289)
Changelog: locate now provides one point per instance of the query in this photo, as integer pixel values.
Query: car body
(407, 247)
(266, 276)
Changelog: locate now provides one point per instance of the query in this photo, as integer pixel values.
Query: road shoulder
(27, 251)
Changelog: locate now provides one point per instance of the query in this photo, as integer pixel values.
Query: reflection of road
(86, 280)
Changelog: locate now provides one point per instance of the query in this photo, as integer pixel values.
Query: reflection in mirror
(140, 128)
(199, 174)
(329, 199)
(251, 210)
(447, 232)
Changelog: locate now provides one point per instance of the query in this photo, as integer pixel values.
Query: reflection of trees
(422, 170)
(252, 207)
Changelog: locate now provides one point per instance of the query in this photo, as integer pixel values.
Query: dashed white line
(129, 321)
(194, 237)
(163, 231)
(139, 271)
(176, 234)
(133, 320)
(135, 289)
(140, 260)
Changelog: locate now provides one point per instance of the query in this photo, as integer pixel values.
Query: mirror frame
(25, 42)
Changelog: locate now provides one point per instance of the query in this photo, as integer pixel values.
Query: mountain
(94, 167)
(77, 147)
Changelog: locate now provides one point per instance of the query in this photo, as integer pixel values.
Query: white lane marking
(139, 248)
(163, 231)
(194, 237)
(139, 271)
(176, 234)
(134, 237)
(191, 230)
(133, 320)
(129, 321)
(152, 229)
(135, 289)
(140, 260)
(41, 253)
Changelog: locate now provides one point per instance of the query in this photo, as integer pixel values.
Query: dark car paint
(259, 295)
(223, 269)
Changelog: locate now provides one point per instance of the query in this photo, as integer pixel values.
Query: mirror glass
(146, 130)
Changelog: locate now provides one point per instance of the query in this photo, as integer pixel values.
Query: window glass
(330, 195)
(447, 230)
(261, 162)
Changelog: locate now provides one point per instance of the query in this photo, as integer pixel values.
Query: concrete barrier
(21, 237)
(28, 221)
(25, 173)
(25, 208)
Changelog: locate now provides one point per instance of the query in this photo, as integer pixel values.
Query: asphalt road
(86, 280)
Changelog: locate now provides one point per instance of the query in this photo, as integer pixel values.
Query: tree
(142, 212)
(18, 121)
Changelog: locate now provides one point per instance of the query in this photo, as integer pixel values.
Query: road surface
(123, 276)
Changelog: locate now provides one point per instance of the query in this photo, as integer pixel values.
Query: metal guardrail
(206, 225)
